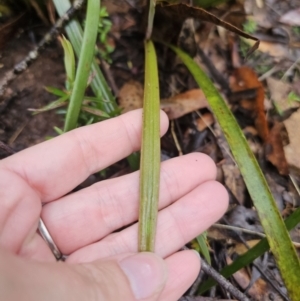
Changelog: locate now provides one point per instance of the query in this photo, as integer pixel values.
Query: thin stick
(233, 228)
(180, 153)
(223, 282)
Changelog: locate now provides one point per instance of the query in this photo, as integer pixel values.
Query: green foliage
(98, 82)
(296, 30)
(104, 28)
(69, 60)
(292, 97)
(250, 26)
(203, 246)
(253, 253)
(271, 220)
(150, 153)
(89, 112)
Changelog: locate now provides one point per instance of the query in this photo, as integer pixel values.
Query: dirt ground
(18, 127)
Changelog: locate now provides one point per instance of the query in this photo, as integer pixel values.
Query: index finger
(55, 167)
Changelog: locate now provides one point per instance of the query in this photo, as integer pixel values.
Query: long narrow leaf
(150, 153)
(98, 84)
(203, 245)
(253, 253)
(84, 64)
(271, 220)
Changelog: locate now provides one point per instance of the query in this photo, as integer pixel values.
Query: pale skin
(101, 265)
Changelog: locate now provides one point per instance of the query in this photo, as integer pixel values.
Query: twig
(233, 228)
(32, 55)
(295, 184)
(6, 149)
(262, 272)
(223, 282)
(106, 70)
(194, 288)
(176, 139)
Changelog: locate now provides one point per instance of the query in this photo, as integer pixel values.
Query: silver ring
(48, 239)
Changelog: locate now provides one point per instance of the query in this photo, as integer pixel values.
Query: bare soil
(19, 128)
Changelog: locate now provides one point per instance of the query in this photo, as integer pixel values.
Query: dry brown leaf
(240, 248)
(292, 150)
(131, 96)
(184, 11)
(234, 181)
(275, 50)
(245, 78)
(275, 153)
(259, 290)
(184, 103)
(216, 234)
(279, 92)
(204, 121)
(291, 18)
(122, 7)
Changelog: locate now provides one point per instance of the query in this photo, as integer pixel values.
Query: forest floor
(263, 93)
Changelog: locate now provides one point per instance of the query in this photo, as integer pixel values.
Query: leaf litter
(262, 121)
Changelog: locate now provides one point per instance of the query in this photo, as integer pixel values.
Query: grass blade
(271, 220)
(258, 250)
(150, 153)
(98, 84)
(202, 242)
(84, 64)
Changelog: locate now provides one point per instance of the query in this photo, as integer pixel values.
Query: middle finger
(91, 214)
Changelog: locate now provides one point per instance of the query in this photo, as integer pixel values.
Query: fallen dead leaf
(204, 121)
(234, 181)
(275, 153)
(240, 248)
(245, 78)
(259, 290)
(279, 92)
(132, 93)
(216, 234)
(184, 103)
(291, 18)
(292, 150)
(184, 11)
(275, 50)
(131, 96)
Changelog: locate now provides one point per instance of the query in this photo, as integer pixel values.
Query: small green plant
(89, 112)
(292, 97)
(250, 26)
(296, 30)
(104, 27)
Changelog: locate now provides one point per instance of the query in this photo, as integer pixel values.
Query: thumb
(140, 276)
(135, 277)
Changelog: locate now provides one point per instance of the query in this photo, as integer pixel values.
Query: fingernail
(146, 272)
(197, 253)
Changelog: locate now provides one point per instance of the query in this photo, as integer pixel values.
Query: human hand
(101, 265)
